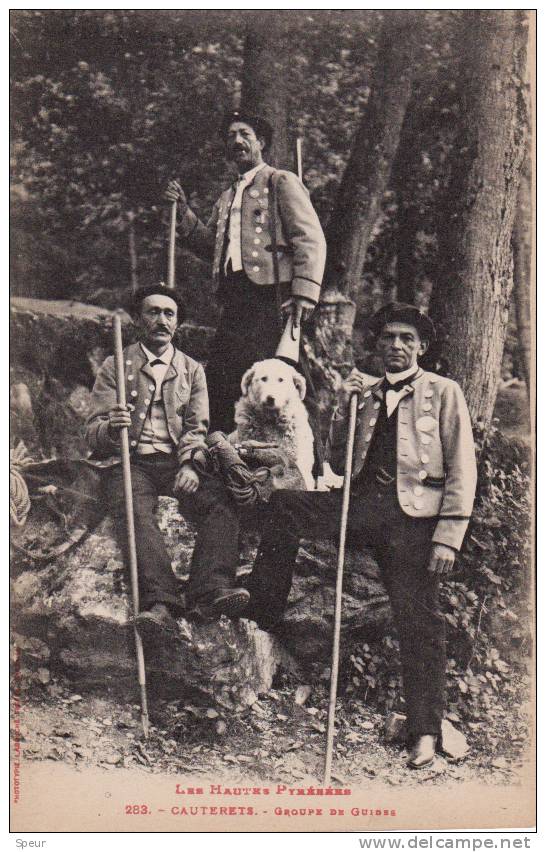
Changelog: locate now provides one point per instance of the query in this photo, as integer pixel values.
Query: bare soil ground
(278, 740)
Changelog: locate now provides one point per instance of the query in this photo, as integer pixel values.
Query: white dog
(271, 410)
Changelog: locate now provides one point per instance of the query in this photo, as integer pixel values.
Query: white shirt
(159, 370)
(233, 251)
(392, 397)
(155, 436)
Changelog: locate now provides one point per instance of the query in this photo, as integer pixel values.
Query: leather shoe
(230, 602)
(156, 621)
(423, 751)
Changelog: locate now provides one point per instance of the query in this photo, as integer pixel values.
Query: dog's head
(273, 385)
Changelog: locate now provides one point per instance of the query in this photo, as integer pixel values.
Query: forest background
(417, 154)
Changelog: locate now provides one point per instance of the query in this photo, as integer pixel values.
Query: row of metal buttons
(418, 490)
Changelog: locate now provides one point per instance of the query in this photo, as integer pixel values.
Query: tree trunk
(522, 252)
(358, 203)
(359, 198)
(471, 301)
(410, 216)
(521, 246)
(407, 266)
(132, 251)
(264, 89)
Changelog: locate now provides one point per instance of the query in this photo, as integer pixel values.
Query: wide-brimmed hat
(261, 127)
(402, 312)
(159, 289)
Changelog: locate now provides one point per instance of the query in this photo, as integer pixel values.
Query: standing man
(413, 485)
(167, 418)
(238, 240)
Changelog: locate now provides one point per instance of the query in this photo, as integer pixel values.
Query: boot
(423, 751)
(156, 621)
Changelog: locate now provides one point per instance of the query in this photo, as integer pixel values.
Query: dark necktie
(156, 362)
(391, 400)
(397, 386)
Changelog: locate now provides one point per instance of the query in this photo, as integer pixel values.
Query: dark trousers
(248, 331)
(402, 548)
(215, 555)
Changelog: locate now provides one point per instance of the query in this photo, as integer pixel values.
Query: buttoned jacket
(436, 462)
(185, 398)
(301, 247)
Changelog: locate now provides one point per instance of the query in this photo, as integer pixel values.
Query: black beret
(160, 290)
(402, 312)
(261, 127)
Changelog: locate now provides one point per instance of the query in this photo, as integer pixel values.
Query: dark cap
(401, 312)
(159, 289)
(260, 126)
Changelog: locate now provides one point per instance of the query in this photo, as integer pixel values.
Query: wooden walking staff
(172, 243)
(339, 586)
(299, 158)
(129, 514)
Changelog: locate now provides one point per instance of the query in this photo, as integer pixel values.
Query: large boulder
(307, 628)
(80, 607)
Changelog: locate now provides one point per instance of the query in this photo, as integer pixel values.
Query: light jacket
(301, 246)
(184, 395)
(436, 461)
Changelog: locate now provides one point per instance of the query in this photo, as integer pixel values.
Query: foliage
(107, 105)
(375, 673)
(29, 658)
(98, 126)
(487, 603)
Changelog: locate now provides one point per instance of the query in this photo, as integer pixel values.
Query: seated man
(413, 484)
(167, 418)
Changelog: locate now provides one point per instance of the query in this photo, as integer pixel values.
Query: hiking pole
(130, 518)
(172, 240)
(339, 586)
(299, 158)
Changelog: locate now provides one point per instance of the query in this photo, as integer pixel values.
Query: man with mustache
(238, 240)
(413, 484)
(167, 416)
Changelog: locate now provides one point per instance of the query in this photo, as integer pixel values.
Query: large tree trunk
(358, 203)
(521, 245)
(472, 298)
(132, 250)
(264, 89)
(407, 265)
(522, 248)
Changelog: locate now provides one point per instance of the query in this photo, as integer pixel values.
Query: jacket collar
(167, 356)
(140, 361)
(262, 174)
(378, 390)
(255, 172)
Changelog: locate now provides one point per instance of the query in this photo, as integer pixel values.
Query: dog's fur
(271, 409)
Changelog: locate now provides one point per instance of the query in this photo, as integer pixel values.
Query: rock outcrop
(307, 628)
(80, 607)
